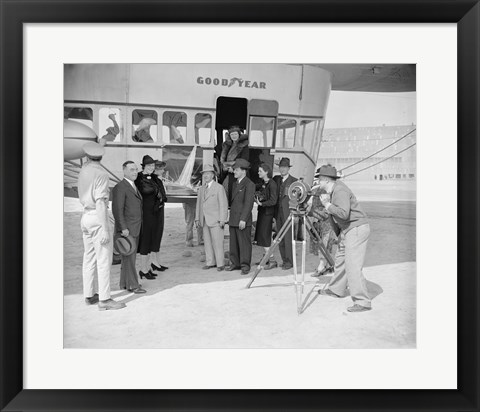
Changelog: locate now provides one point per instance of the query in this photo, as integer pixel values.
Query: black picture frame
(14, 13)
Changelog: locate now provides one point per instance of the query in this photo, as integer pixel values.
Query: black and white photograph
(240, 206)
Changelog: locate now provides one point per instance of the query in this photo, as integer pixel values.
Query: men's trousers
(213, 237)
(285, 245)
(241, 247)
(97, 258)
(189, 209)
(128, 271)
(349, 260)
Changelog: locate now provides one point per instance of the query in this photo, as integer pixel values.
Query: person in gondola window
(154, 198)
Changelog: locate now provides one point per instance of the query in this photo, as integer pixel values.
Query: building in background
(343, 147)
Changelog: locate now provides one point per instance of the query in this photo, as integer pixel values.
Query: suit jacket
(271, 197)
(212, 208)
(283, 199)
(243, 196)
(127, 208)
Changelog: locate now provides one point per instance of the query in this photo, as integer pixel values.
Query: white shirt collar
(209, 184)
(240, 179)
(131, 183)
(285, 177)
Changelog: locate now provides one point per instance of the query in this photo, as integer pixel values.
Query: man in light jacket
(211, 215)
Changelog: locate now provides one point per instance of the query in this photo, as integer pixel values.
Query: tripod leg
(323, 250)
(280, 235)
(295, 274)
(304, 250)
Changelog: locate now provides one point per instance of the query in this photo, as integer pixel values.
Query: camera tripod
(304, 223)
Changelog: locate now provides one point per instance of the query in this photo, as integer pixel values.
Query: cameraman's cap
(93, 150)
(327, 170)
(284, 161)
(242, 163)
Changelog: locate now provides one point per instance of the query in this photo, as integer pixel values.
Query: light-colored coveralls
(93, 185)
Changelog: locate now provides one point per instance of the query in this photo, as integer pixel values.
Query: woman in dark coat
(154, 198)
(234, 147)
(266, 199)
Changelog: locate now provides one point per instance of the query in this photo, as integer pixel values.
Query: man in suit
(127, 210)
(240, 222)
(283, 181)
(93, 193)
(211, 215)
(350, 222)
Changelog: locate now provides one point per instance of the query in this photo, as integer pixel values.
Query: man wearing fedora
(127, 210)
(93, 193)
(211, 215)
(350, 222)
(282, 211)
(240, 222)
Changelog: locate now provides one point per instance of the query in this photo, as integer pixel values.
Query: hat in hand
(124, 245)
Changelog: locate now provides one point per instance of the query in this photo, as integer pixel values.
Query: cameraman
(351, 224)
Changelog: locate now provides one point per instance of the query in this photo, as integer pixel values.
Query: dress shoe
(245, 272)
(232, 268)
(358, 308)
(208, 267)
(92, 300)
(328, 292)
(160, 268)
(137, 290)
(146, 275)
(110, 304)
(271, 265)
(220, 268)
(287, 266)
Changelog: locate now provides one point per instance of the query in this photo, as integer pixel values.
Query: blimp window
(203, 128)
(109, 122)
(285, 133)
(261, 131)
(307, 130)
(144, 125)
(79, 114)
(174, 127)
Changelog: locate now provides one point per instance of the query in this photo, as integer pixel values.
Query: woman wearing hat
(266, 199)
(234, 147)
(154, 198)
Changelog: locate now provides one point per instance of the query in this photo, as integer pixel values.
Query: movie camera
(299, 194)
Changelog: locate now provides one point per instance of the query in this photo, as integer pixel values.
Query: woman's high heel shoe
(146, 275)
(161, 268)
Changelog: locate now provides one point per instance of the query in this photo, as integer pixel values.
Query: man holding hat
(94, 193)
(282, 211)
(350, 222)
(211, 215)
(240, 222)
(127, 210)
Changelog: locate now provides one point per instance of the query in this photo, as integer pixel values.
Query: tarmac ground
(187, 307)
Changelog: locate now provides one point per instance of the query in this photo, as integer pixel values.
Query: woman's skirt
(263, 231)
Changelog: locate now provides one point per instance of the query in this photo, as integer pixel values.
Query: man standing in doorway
(94, 193)
(351, 224)
(240, 222)
(282, 211)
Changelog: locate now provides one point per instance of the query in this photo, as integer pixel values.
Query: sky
(361, 109)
